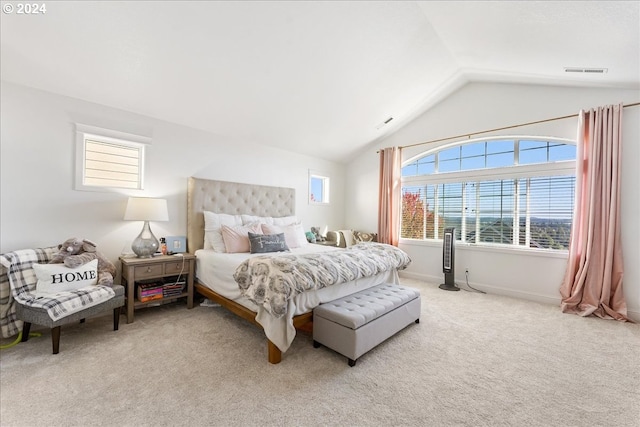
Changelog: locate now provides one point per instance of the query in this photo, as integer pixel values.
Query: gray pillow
(263, 243)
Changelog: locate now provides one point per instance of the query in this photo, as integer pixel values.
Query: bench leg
(316, 344)
(352, 363)
(55, 339)
(418, 320)
(116, 318)
(26, 327)
(82, 320)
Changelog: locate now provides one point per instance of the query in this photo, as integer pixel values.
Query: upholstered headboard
(234, 199)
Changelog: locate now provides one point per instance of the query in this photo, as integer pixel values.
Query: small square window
(108, 160)
(318, 188)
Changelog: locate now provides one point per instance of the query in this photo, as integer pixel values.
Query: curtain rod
(502, 128)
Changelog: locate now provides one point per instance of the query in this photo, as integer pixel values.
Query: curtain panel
(593, 280)
(389, 197)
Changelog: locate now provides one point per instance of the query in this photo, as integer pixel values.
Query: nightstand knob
(148, 269)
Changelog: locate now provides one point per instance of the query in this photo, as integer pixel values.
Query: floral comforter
(271, 281)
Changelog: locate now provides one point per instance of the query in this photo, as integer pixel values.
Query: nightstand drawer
(179, 265)
(148, 271)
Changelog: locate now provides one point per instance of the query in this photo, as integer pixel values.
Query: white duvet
(215, 271)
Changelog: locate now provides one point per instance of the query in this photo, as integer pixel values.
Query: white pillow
(294, 234)
(285, 220)
(236, 237)
(252, 219)
(212, 224)
(55, 278)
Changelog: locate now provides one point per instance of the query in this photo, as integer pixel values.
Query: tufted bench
(355, 324)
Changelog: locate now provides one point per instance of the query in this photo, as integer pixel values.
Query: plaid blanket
(18, 283)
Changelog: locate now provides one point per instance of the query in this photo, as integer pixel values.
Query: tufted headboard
(234, 199)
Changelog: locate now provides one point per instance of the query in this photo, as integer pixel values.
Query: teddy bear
(75, 252)
(316, 232)
(311, 238)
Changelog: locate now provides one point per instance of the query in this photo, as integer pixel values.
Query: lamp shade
(146, 209)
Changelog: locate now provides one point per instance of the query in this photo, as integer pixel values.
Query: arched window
(515, 191)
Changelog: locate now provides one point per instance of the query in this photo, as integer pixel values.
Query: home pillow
(212, 229)
(236, 237)
(294, 234)
(263, 243)
(55, 278)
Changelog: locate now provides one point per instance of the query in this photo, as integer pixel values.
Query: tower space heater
(448, 260)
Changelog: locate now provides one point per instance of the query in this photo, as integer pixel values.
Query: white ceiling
(312, 77)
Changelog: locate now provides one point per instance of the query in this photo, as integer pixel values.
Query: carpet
(473, 360)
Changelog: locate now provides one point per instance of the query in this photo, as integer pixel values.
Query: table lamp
(146, 209)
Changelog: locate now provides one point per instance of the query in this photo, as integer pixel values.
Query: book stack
(149, 291)
(173, 288)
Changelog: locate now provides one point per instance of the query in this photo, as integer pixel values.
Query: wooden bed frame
(233, 199)
(274, 353)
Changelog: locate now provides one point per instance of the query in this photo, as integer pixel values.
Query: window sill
(545, 253)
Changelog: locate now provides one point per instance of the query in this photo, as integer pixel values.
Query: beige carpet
(474, 360)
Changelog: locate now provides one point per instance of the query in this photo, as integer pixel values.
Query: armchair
(20, 306)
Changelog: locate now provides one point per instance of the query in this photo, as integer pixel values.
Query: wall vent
(585, 70)
(384, 123)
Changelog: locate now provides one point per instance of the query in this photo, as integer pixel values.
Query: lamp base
(146, 244)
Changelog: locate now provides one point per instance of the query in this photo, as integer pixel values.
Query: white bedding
(215, 271)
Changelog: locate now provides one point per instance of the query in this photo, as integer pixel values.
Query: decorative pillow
(263, 243)
(361, 236)
(212, 229)
(55, 278)
(294, 234)
(236, 237)
(348, 237)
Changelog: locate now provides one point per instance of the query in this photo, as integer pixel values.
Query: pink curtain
(593, 280)
(389, 196)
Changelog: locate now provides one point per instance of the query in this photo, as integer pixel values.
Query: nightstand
(158, 267)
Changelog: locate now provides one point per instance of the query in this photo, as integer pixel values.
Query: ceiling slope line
(468, 135)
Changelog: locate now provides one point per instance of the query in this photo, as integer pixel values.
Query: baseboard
(418, 276)
(632, 314)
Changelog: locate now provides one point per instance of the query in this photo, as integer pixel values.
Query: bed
(218, 276)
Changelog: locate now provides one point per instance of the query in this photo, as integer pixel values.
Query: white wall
(40, 207)
(483, 106)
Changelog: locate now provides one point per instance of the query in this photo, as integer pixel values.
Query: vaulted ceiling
(319, 78)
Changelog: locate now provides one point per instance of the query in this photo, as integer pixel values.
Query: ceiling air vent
(585, 70)
(384, 123)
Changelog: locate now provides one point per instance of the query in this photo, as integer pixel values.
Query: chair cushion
(40, 315)
(65, 303)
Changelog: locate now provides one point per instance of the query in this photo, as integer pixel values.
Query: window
(107, 160)
(318, 188)
(516, 192)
